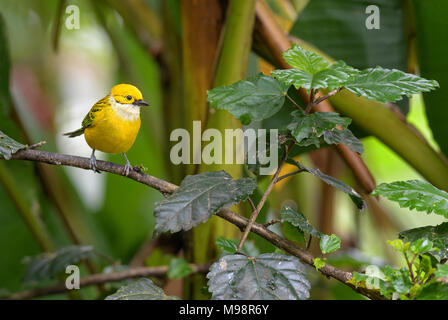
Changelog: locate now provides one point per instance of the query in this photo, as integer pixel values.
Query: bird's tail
(74, 133)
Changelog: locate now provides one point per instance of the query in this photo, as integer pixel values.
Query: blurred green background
(57, 74)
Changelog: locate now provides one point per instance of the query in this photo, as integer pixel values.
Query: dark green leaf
(8, 146)
(198, 198)
(267, 277)
(356, 198)
(298, 220)
(256, 98)
(438, 235)
(48, 265)
(320, 127)
(415, 194)
(178, 268)
(386, 85)
(142, 289)
(346, 137)
(329, 243)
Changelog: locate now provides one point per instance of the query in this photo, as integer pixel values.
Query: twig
(270, 223)
(310, 105)
(290, 174)
(167, 187)
(255, 213)
(37, 145)
(308, 245)
(102, 278)
(294, 103)
(328, 95)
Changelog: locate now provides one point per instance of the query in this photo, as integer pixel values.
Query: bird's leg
(93, 162)
(127, 166)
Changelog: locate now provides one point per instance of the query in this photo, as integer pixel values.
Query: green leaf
(415, 194)
(356, 198)
(142, 289)
(337, 75)
(346, 137)
(267, 277)
(438, 235)
(399, 278)
(9, 146)
(178, 268)
(308, 129)
(421, 245)
(329, 243)
(318, 263)
(386, 85)
(434, 291)
(298, 220)
(229, 247)
(442, 272)
(256, 98)
(305, 60)
(399, 245)
(49, 264)
(198, 198)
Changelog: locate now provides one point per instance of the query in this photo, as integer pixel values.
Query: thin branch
(255, 213)
(270, 223)
(102, 278)
(168, 188)
(290, 174)
(325, 97)
(310, 105)
(294, 103)
(308, 245)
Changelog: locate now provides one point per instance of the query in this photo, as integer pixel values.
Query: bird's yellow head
(128, 94)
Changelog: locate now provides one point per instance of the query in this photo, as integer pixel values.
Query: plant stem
(294, 103)
(328, 95)
(255, 213)
(290, 174)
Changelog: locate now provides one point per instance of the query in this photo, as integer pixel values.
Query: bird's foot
(93, 164)
(127, 168)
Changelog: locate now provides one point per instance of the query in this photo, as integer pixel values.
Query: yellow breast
(113, 130)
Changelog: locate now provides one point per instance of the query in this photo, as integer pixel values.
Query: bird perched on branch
(112, 124)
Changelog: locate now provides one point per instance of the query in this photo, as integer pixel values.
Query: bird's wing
(100, 105)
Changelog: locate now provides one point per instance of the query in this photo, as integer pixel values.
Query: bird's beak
(141, 103)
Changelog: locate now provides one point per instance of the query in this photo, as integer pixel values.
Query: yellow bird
(112, 124)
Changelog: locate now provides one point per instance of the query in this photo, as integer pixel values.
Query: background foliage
(50, 77)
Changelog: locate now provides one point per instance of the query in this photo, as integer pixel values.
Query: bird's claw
(127, 168)
(93, 165)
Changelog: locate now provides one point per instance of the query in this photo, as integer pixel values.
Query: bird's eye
(129, 98)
